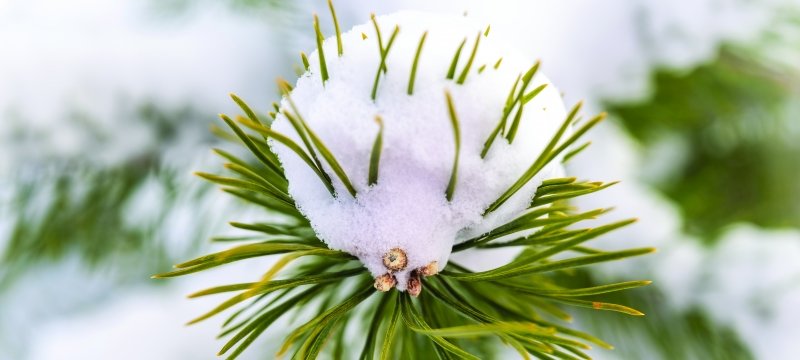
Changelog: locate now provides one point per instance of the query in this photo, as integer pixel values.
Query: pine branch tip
(339, 47)
(283, 85)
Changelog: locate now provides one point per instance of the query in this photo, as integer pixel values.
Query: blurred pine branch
(666, 333)
(734, 132)
(77, 205)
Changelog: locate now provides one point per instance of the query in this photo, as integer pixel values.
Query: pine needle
(468, 66)
(323, 66)
(520, 100)
(295, 148)
(413, 75)
(547, 154)
(501, 125)
(497, 64)
(330, 159)
(336, 26)
(451, 72)
(375, 155)
(304, 59)
(451, 185)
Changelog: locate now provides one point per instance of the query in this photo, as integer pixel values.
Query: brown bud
(414, 286)
(385, 282)
(431, 269)
(395, 259)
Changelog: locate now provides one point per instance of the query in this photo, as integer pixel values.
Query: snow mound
(407, 207)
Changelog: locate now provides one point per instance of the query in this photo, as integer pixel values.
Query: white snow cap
(407, 207)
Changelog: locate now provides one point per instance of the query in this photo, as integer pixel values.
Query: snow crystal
(407, 207)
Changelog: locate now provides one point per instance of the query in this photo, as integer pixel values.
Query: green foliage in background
(80, 207)
(734, 128)
(728, 130)
(665, 333)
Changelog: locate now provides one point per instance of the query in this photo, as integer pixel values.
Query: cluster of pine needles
(519, 305)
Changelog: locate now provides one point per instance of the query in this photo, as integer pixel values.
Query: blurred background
(105, 109)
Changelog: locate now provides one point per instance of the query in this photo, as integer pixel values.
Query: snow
(151, 319)
(407, 207)
(749, 280)
(75, 75)
(752, 283)
(135, 321)
(607, 49)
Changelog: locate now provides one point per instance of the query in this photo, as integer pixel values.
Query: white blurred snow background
(73, 76)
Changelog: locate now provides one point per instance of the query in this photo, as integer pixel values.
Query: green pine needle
(413, 320)
(575, 152)
(378, 35)
(468, 66)
(336, 26)
(265, 157)
(304, 59)
(451, 110)
(327, 316)
(512, 131)
(330, 159)
(543, 199)
(413, 75)
(384, 53)
(559, 181)
(520, 99)
(247, 110)
(295, 148)
(529, 96)
(275, 187)
(597, 305)
(375, 155)
(245, 184)
(594, 290)
(265, 202)
(497, 64)
(451, 72)
(388, 338)
(368, 352)
(268, 175)
(501, 125)
(297, 122)
(548, 154)
(323, 66)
